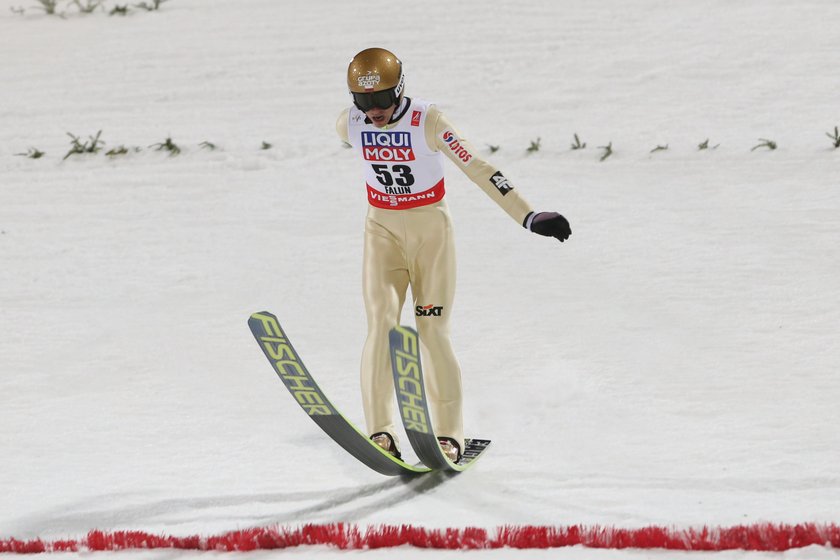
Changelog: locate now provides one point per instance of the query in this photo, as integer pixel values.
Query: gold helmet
(375, 79)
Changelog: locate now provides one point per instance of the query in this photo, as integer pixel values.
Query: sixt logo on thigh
(387, 146)
(428, 310)
(457, 148)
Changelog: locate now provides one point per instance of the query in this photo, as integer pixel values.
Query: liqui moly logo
(387, 146)
(457, 148)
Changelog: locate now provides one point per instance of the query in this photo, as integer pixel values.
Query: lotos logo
(387, 146)
(501, 183)
(457, 148)
(415, 118)
(368, 81)
(428, 311)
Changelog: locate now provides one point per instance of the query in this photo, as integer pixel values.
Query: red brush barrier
(760, 537)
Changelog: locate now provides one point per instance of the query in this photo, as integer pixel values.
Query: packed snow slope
(675, 362)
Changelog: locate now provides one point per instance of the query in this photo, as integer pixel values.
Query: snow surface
(675, 363)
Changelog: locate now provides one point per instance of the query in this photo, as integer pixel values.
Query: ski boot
(386, 442)
(450, 448)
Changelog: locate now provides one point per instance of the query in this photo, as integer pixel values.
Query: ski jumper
(409, 242)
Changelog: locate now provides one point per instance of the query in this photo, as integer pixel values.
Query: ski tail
(414, 409)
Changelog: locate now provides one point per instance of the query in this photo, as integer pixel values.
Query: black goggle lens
(379, 99)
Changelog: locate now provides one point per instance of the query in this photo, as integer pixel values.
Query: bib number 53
(398, 174)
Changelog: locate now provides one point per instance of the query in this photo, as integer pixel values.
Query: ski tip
(474, 450)
(258, 314)
(401, 335)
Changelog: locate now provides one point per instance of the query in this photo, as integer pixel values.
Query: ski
(287, 364)
(414, 409)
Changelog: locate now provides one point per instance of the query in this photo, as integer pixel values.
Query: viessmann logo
(456, 147)
(387, 146)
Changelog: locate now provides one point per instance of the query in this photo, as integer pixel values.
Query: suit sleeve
(341, 125)
(442, 136)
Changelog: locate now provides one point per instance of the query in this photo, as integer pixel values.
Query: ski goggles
(375, 99)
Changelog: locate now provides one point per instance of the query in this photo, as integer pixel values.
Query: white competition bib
(400, 170)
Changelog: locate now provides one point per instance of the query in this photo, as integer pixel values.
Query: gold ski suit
(408, 242)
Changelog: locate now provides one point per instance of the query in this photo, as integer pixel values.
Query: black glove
(549, 224)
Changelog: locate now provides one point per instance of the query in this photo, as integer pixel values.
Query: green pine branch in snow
(765, 143)
(48, 6)
(577, 144)
(118, 151)
(92, 146)
(118, 10)
(268, 145)
(493, 149)
(659, 148)
(168, 146)
(704, 145)
(835, 138)
(535, 146)
(88, 6)
(608, 151)
(33, 153)
(150, 6)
